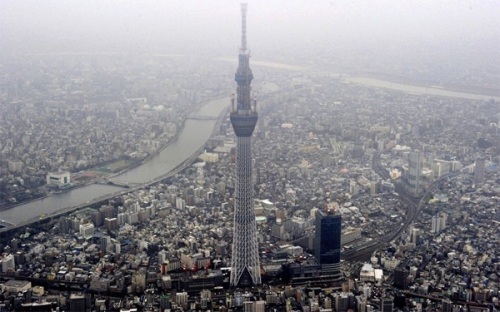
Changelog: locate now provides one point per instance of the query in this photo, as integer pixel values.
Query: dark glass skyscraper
(327, 242)
(401, 278)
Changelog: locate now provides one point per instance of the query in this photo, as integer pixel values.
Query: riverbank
(148, 158)
(195, 109)
(8, 207)
(394, 78)
(194, 134)
(418, 90)
(178, 155)
(14, 205)
(125, 170)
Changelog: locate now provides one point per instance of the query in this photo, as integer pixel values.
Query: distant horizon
(439, 42)
(179, 26)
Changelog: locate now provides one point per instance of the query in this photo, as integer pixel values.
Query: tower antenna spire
(244, 26)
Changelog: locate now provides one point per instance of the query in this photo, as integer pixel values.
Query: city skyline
(368, 179)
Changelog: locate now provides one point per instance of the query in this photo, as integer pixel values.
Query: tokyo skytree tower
(245, 269)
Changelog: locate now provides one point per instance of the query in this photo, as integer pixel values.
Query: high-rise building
(111, 223)
(446, 305)
(15, 166)
(435, 224)
(442, 221)
(342, 302)
(65, 225)
(439, 222)
(79, 302)
(479, 170)
(401, 278)
(162, 256)
(8, 264)
(386, 304)
(105, 243)
(353, 188)
(400, 301)
(373, 187)
(327, 303)
(181, 298)
(165, 302)
(248, 306)
(260, 306)
(327, 241)
(245, 269)
(360, 304)
(414, 235)
(415, 164)
(87, 230)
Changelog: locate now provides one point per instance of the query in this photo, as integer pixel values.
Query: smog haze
(274, 27)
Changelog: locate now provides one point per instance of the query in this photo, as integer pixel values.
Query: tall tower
(245, 269)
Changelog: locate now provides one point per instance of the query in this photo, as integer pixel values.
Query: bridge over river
(191, 140)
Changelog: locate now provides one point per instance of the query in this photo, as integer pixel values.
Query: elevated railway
(413, 204)
(44, 281)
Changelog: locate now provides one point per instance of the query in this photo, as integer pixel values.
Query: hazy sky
(169, 26)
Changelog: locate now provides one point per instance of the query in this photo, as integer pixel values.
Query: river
(373, 82)
(377, 83)
(193, 136)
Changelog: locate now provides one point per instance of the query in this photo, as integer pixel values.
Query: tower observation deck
(245, 268)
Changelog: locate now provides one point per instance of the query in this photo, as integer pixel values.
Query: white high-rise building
(260, 306)
(162, 256)
(479, 171)
(439, 222)
(353, 188)
(117, 247)
(436, 223)
(135, 207)
(415, 164)
(414, 235)
(15, 166)
(8, 263)
(122, 218)
(442, 221)
(87, 230)
(181, 298)
(132, 218)
(180, 203)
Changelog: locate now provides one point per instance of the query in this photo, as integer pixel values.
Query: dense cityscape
(170, 183)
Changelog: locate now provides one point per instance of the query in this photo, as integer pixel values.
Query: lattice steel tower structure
(245, 269)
